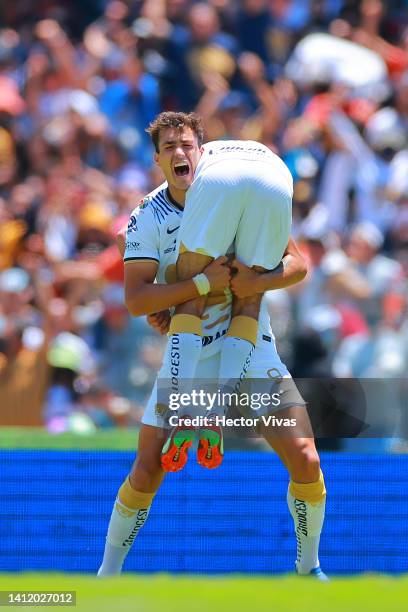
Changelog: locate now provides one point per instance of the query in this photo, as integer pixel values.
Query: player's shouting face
(178, 155)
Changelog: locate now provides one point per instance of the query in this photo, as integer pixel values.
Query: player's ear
(156, 159)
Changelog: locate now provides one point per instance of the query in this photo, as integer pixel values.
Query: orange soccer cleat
(174, 454)
(210, 452)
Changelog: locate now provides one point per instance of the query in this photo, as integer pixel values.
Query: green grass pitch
(163, 593)
(39, 438)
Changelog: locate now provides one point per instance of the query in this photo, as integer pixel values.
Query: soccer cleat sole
(175, 450)
(210, 452)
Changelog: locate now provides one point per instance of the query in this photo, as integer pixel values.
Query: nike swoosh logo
(171, 231)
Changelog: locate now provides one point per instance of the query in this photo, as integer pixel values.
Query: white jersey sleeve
(142, 235)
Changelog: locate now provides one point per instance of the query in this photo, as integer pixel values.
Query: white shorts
(265, 364)
(249, 201)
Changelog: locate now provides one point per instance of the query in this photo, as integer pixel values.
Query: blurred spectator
(123, 336)
(384, 275)
(68, 356)
(24, 370)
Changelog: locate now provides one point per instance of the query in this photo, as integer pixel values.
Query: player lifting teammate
(152, 239)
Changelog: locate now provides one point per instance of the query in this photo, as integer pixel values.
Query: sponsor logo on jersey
(143, 203)
(132, 225)
(132, 245)
(172, 230)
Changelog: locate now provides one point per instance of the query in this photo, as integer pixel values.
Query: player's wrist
(202, 283)
(259, 283)
(271, 280)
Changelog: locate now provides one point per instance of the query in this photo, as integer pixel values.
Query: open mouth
(181, 169)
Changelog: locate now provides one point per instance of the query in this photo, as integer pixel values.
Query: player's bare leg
(306, 493)
(184, 353)
(133, 500)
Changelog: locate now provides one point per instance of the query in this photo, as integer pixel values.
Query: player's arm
(138, 244)
(291, 270)
(143, 296)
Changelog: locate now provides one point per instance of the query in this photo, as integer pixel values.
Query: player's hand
(160, 321)
(244, 281)
(218, 273)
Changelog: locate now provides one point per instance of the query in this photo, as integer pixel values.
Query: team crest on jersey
(143, 203)
(132, 223)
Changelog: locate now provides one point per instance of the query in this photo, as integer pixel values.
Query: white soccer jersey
(230, 150)
(152, 235)
(241, 194)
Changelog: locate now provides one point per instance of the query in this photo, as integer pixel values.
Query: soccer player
(150, 254)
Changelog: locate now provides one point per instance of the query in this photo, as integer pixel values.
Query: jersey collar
(173, 201)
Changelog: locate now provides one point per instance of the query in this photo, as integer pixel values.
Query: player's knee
(146, 475)
(305, 464)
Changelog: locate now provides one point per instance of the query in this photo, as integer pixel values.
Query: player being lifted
(237, 192)
(151, 254)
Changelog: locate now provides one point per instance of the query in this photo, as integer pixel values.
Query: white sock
(125, 523)
(308, 519)
(183, 354)
(177, 374)
(236, 351)
(236, 356)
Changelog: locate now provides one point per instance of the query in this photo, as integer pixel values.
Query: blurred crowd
(324, 83)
